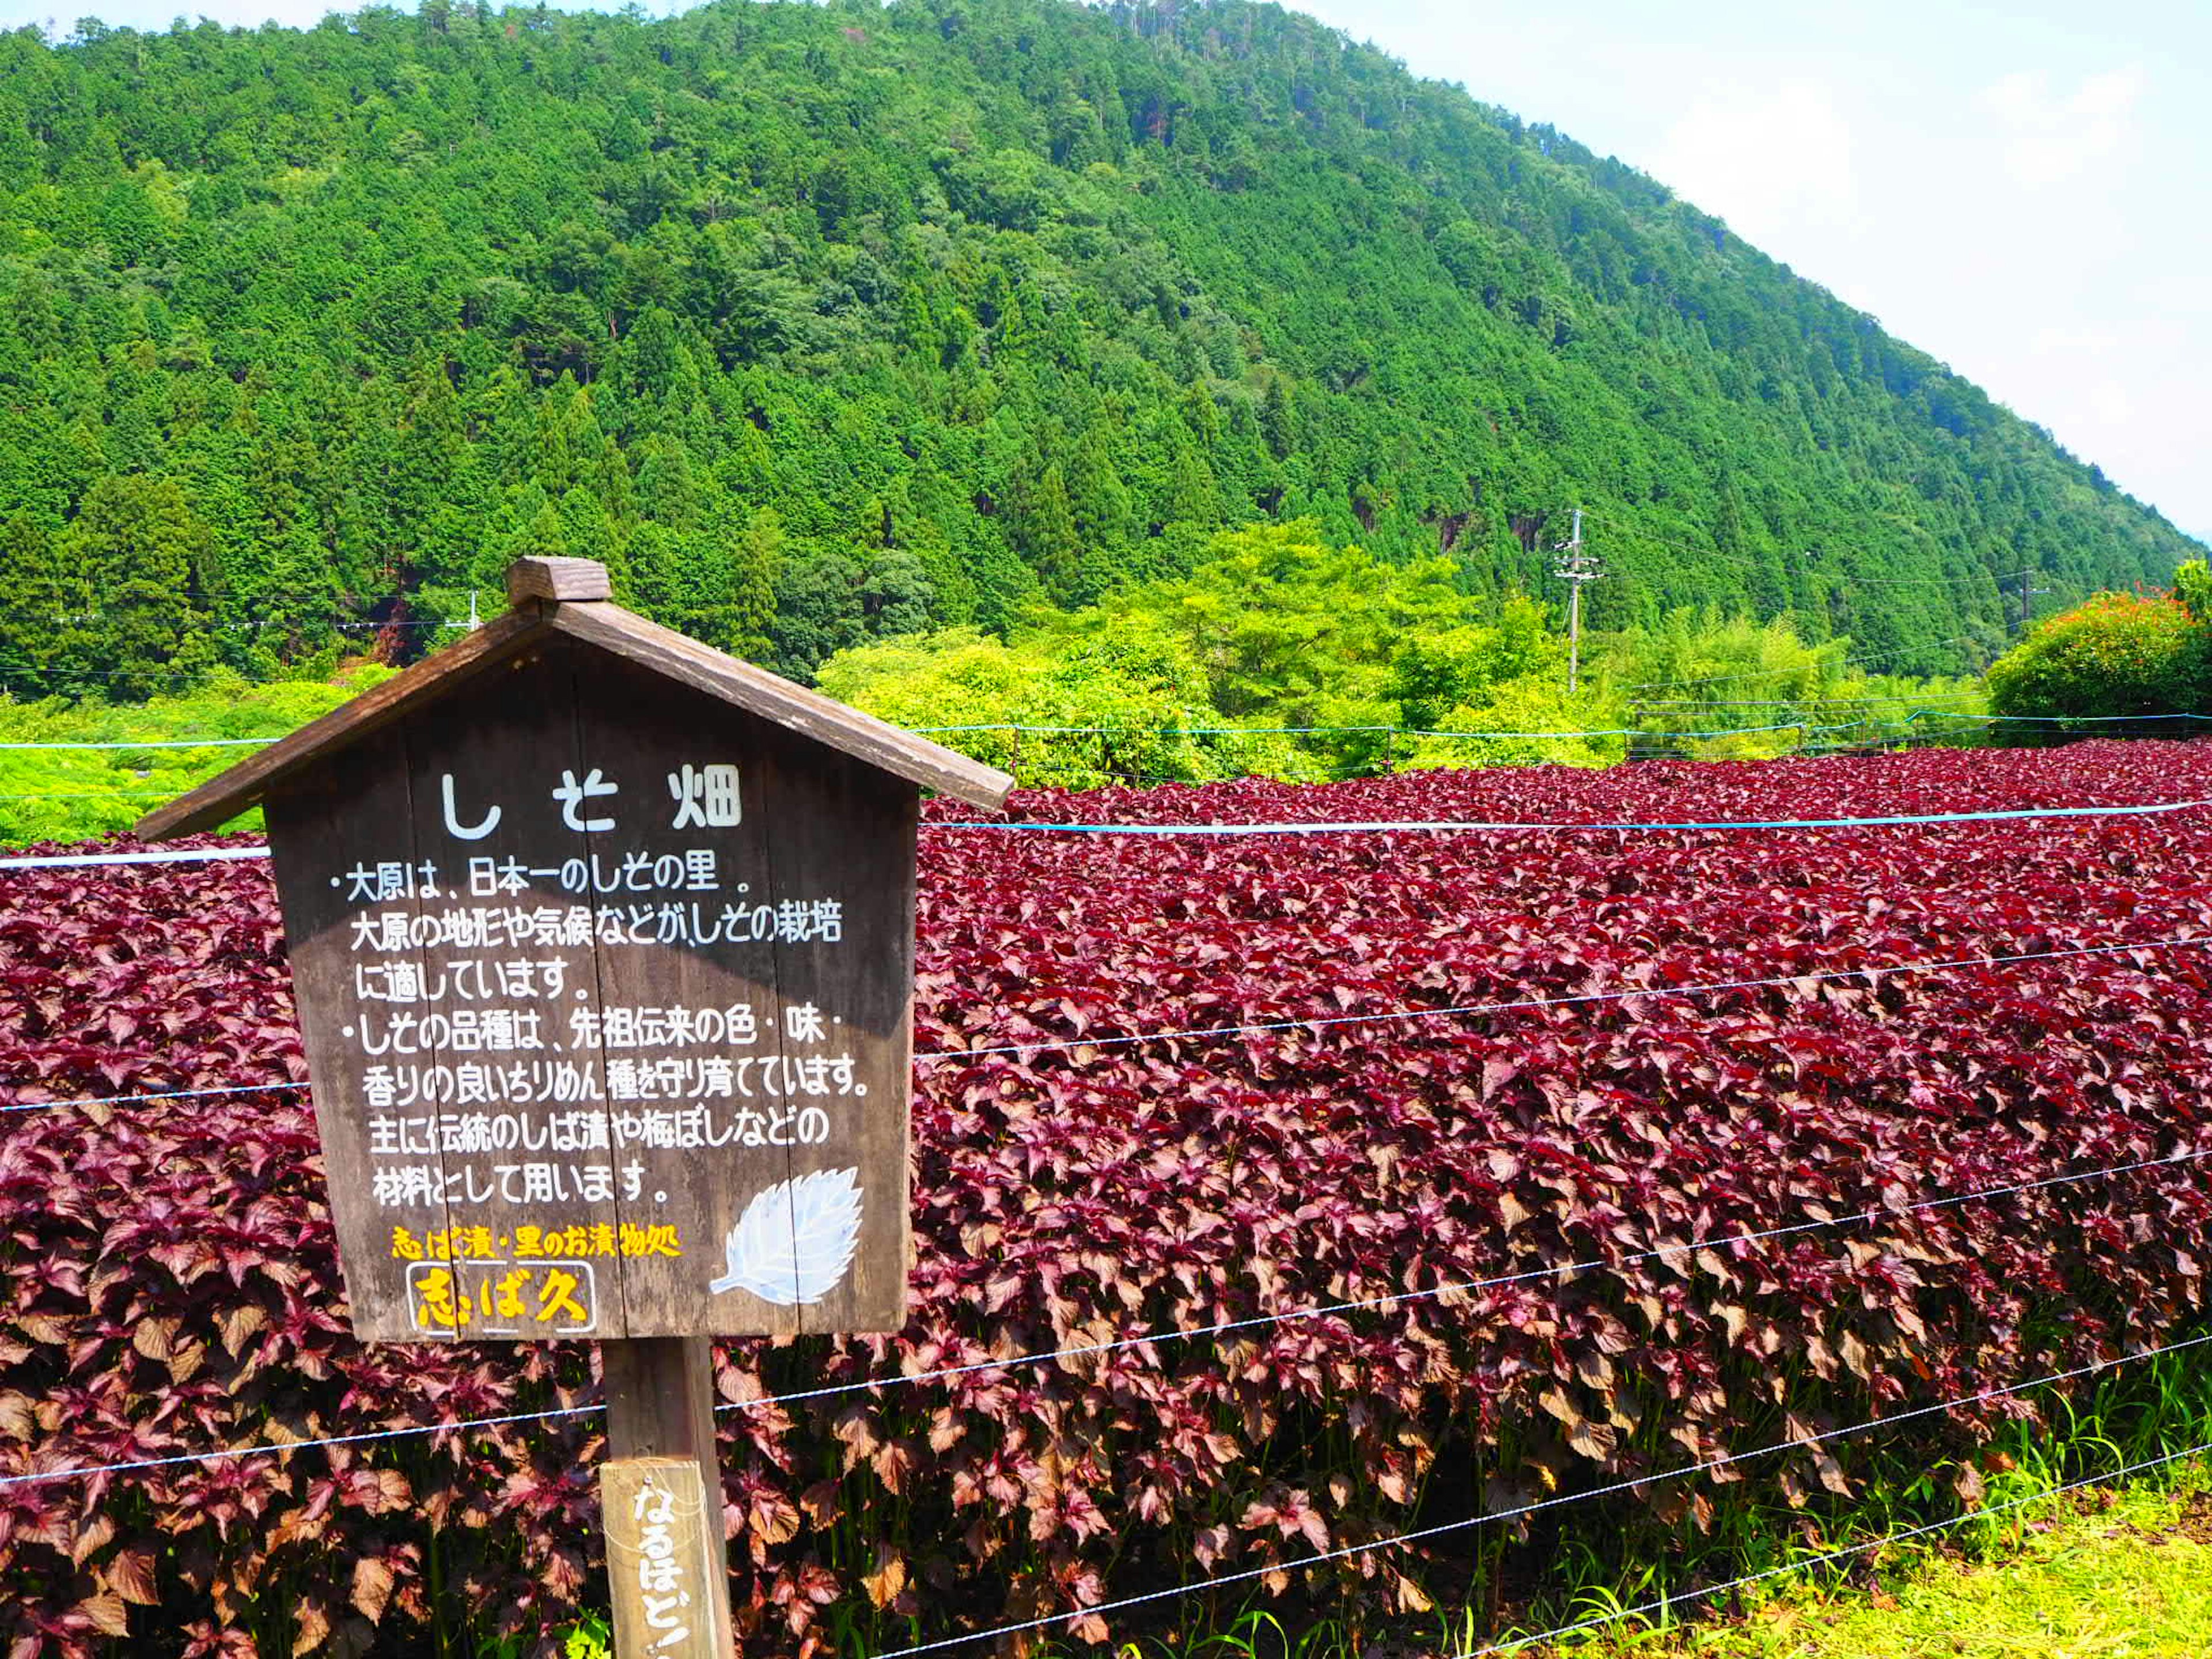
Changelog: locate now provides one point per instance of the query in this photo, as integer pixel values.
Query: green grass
(2125, 1575)
(75, 794)
(2049, 1560)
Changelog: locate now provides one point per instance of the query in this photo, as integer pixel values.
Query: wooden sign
(603, 948)
(664, 1560)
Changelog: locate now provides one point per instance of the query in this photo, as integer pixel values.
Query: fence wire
(1557, 1271)
(1399, 1539)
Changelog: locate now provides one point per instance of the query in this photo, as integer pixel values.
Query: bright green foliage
(2130, 1579)
(1702, 671)
(1321, 653)
(1528, 721)
(2117, 654)
(822, 324)
(1353, 665)
(2192, 587)
(1289, 632)
(1133, 691)
(71, 794)
(1692, 652)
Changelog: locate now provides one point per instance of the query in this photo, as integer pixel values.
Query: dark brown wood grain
(507, 746)
(231, 792)
(844, 826)
(642, 729)
(725, 993)
(667, 1565)
(557, 578)
(319, 828)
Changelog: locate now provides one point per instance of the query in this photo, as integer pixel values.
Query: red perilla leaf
(1476, 1196)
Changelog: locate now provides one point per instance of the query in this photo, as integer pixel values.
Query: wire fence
(1899, 727)
(1149, 1340)
(1557, 1272)
(1317, 827)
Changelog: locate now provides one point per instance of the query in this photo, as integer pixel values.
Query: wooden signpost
(603, 944)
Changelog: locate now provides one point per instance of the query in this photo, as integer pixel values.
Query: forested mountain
(824, 323)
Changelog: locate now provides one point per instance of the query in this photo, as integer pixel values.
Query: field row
(167, 1281)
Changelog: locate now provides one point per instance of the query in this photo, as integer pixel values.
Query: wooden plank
(229, 792)
(331, 820)
(808, 713)
(557, 578)
(660, 1399)
(532, 1178)
(660, 1408)
(697, 1116)
(843, 828)
(667, 1568)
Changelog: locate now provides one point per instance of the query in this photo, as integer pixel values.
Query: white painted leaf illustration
(795, 1239)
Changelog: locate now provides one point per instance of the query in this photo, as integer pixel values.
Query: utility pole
(1576, 566)
(2027, 592)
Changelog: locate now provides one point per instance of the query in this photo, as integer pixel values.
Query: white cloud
(2049, 137)
(1776, 161)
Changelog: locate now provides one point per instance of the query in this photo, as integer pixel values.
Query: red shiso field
(168, 1283)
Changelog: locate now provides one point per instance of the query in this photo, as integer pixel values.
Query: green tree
(138, 543)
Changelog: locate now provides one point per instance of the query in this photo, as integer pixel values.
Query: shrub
(2116, 654)
(167, 1282)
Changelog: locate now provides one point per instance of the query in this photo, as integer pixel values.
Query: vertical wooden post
(660, 1406)
(664, 1560)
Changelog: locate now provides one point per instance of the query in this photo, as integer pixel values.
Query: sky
(2025, 194)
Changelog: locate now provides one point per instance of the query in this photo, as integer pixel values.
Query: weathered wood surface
(505, 747)
(668, 1571)
(649, 732)
(607, 987)
(734, 1159)
(579, 580)
(231, 792)
(856, 833)
(311, 828)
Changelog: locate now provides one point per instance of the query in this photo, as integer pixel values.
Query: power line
(2054, 720)
(134, 1100)
(1314, 1022)
(79, 860)
(92, 794)
(1399, 730)
(74, 861)
(154, 743)
(183, 1460)
(1396, 1298)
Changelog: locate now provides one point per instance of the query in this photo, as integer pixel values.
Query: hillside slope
(828, 322)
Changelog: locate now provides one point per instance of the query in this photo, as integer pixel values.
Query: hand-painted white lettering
(454, 826)
(572, 795)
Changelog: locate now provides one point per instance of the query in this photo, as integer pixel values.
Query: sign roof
(557, 596)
